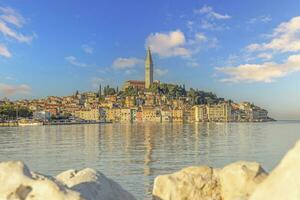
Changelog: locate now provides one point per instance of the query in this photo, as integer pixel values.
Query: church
(148, 81)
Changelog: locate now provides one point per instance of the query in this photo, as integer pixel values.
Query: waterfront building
(188, 115)
(139, 116)
(258, 114)
(177, 115)
(151, 113)
(126, 115)
(89, 115)
(200, 113)
(148, 69)
(219, 112)
(41, 115)
(166, 115)
(113, 114)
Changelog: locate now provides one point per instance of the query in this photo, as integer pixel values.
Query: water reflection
(134, 154)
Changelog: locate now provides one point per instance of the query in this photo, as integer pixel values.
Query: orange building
(135, 84)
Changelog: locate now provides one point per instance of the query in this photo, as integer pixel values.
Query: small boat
(30, 123)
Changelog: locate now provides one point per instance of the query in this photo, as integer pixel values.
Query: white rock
(93, 185)
(238, 180)
(283, 182)
(192, 183)
(18, 183)
(234, 182)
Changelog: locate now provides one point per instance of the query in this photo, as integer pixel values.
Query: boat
(29, 123)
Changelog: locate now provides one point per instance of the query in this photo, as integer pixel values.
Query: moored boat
(30, 123)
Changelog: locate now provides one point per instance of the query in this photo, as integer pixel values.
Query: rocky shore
(237, 181)
(17, 182)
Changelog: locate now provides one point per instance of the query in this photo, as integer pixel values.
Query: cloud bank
(266, 72)
(9, 90)
(285, 38)
(126, 63)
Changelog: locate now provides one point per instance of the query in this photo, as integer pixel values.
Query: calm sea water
(134, 154)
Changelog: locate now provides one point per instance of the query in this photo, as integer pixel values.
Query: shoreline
(15, 124)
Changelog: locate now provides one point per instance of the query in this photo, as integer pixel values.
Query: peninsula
(138, 100)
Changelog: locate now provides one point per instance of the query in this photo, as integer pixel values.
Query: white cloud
(11, 16)
(87, 49)
(285, 38)
(126, 63)
(265, 72)
(260, 19)
(9, 90)
(168, 44)
(199, 37)
(160, 72)
(6, 31)
(265, 56)
(4, 51)
(210, 13)
(73, 60)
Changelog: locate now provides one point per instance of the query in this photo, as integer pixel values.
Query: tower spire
(148, 69)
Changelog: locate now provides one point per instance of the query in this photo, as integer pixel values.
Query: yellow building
(150, 114)
(129, 101)
(188, 115)
(126, 115)
(219, 112)
(113, 114)
(177, 115)
(166, 115)
(89, 115)
(200, 113)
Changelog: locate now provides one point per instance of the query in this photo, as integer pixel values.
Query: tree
(109, 91)
(131, 91)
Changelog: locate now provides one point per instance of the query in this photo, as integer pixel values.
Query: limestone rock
(18, 183)
(283, 182)
(239, 180)
(93, 185)
(193, 183)
(236, 181)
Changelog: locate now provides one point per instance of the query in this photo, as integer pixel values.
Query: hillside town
(136, 101)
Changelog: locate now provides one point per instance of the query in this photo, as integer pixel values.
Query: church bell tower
(148, 69)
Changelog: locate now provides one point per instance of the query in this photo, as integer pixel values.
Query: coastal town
(137, 101)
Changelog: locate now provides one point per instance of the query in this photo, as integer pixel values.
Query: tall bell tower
(148, 69)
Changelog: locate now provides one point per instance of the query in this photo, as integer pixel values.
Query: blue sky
(241, 50)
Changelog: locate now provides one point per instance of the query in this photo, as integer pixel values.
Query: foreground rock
(284, 181)
(93, 185)
(17, 182)
(189, 183)
(239, 180)
(236, 181)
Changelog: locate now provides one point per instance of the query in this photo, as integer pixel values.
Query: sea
(133, 154)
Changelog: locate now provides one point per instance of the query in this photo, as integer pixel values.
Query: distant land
(137, 100)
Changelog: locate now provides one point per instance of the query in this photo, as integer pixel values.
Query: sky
(242, 50)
